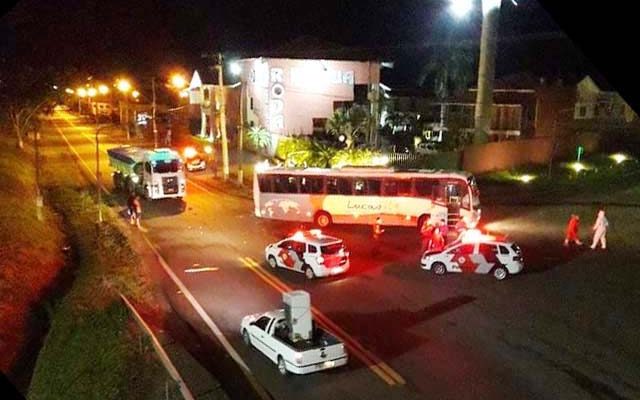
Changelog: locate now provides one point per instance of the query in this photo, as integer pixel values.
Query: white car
(310, 252)
(481, 255)
(269, 334)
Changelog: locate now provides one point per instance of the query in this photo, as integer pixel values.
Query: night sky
(150, 36)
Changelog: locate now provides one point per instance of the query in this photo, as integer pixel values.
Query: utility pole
(223, 120)
(39, 201)
(153, 113)
(240, 138)
(98, 183)
(486, 69)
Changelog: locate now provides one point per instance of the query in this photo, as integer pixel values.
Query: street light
(178, 81)
(460, 8)
(124, 87)
(486, 64)
(103, 89)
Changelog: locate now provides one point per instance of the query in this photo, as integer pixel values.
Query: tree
(348, 125)
(320, 155)
(24, 91)
(400, 129)
(260, 137)
(449, 72)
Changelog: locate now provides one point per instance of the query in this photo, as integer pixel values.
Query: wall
(288, 93)
(510, 154)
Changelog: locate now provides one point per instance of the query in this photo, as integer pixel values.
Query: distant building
(599, 103)
(290, 96)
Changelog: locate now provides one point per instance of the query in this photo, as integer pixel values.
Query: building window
(582, 111)
(251, 103)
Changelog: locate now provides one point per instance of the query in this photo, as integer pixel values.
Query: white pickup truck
(268, 332)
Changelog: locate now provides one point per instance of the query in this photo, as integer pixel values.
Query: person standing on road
(131, 211)
(444, 230)
(426, 233)
(377, 233)
(437, 241)
(600, 230)
(137, 207)
(571, 234)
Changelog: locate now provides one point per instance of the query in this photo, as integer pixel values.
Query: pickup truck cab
(310, 252)
(268, 333)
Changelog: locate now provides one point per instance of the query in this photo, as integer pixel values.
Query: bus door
(453, 197)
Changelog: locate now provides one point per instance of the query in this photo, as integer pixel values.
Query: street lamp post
(236, 69)
(223, 120)
(153, 112)
(98, 180)
(39, 200)
(486, 69)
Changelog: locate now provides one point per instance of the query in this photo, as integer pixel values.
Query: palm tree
(449, 71)
(260, 137)
(320, 155)
(348, 124)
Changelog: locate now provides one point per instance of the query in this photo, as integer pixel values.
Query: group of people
(434, 236)
(599, 229)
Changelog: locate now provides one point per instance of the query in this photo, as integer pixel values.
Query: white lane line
(194, 303)
(201, 269)
(162, 354)
(209, 322)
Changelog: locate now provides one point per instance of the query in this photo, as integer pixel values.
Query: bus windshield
(163, 167)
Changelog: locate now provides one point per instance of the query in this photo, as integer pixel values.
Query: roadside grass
(94, 350)
(600, 179)
(30, 261)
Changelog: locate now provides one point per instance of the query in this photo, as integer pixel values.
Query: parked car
(268, 333)
(480, 254)
(310, 252)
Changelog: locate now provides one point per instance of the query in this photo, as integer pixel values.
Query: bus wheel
(423, 220)
(322, 219)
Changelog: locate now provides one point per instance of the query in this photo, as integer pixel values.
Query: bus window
(359, 187)
(344, 186)
(404, 187)
(292, 184)
(390, 187)
(311, 185)
(425, 187)
(264, 182)
(332, 185)
(284, 184)
(373, 187)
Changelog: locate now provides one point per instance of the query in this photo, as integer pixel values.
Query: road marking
(84, 164)
(379, 367)
(261, 391)
(201, 269)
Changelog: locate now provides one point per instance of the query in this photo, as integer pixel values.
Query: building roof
(309, 47)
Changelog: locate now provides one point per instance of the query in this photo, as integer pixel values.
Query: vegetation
(349, 125)
(259, 137)
(32, 259)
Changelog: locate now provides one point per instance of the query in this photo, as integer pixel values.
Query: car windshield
(333, 248)
(163, 167)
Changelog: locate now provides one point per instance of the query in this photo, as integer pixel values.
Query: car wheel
(438, 268)
(308, 272)
(282, 368)
(500, 273)
(272, 262)
(323, 219)
(246, 338)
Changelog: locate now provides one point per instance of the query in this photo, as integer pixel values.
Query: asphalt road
(412, 335)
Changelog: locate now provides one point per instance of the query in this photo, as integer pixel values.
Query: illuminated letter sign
(276, 102)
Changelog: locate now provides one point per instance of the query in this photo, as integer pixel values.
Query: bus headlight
(135, 178)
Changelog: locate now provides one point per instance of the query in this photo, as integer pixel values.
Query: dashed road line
(379, 367)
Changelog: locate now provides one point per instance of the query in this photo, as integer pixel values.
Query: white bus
(358, 195)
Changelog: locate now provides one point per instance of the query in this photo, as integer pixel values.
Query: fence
(445, 160)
